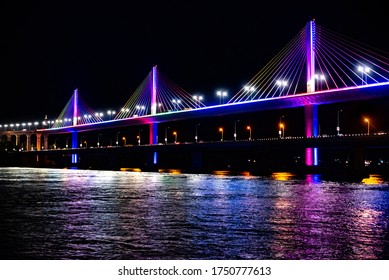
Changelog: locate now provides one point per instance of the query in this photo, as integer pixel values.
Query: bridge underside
(298, 100)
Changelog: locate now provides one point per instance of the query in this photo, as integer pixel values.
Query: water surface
(90, 214)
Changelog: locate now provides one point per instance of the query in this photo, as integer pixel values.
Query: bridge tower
(75, 117)
(153, 126)
(311, 110)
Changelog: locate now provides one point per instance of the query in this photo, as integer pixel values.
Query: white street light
(338, 125)
(221, 94)
(320, 78)
(196, 138)
(235, 135)
(281, 84)
(364, 73)
(176, 102)
(249, 90)
(197, 98)
(166, 128)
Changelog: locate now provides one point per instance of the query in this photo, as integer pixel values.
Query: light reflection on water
(86, 214)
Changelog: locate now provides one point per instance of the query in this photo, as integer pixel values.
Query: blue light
(315, 157)
(155, 161)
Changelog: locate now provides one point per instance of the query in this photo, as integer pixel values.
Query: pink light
(308, 156)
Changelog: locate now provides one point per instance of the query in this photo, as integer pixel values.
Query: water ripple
(84, 214)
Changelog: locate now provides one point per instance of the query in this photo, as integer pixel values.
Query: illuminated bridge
(316, 67)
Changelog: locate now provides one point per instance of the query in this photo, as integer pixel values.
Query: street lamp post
(197, 98)
(82, 137)
(221, 131)
(166, 128)
(111, 114)
(98, 140)
(280, 125)
(140, 109)
(249, 129)
(175, 136)
(176, 103)
(196, 136)
(364, 72)
(319, 78)
(249, 90)
(235, 129)
(221, 95)
(117, 138)
(338, 125)
(368, 125)
(124, 140)
(281, 84)
(139, 136)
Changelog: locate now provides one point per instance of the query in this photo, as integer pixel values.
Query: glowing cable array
(85, 115)
(340, 62)
(170, 97)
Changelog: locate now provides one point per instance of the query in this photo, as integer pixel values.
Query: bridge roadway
(338, 153)
(369, 91)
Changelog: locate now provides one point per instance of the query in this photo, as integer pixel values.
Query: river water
(90, 214)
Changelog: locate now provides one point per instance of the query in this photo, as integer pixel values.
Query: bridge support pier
(74, 145)
(154, 141)
(38, 142)
(311, 130)
(17, 141)
(28, 143)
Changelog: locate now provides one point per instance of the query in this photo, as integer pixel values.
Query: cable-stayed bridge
(316, 67)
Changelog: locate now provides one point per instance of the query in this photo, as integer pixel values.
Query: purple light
(75, 106)
(311, 110)
(310, 56)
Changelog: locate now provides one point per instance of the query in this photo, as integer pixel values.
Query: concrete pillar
(17, 140)
(38, 141)
(45, 142)
(28, 144)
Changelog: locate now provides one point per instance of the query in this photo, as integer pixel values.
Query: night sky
(106, 48)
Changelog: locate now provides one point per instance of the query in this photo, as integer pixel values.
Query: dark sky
(106, 49)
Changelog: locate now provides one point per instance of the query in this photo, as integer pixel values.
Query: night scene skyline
(106, 50)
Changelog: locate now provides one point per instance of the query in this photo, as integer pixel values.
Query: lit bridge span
(317, 67)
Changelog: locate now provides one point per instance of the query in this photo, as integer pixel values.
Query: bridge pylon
(75, 133)
(153, 126)
(311, 110)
